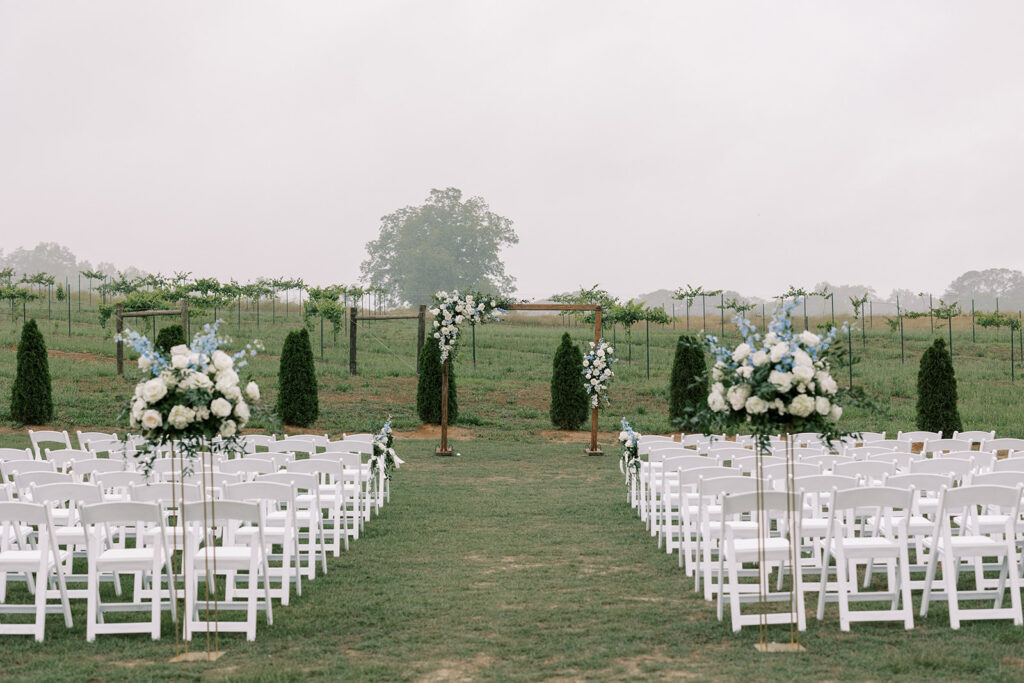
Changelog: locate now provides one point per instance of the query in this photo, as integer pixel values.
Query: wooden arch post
(593, 449)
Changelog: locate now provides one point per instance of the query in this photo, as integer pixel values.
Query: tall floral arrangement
(629, 462)
(450, 311)
(777, 383)
(597, 372)
(192, 395)
(384, 459)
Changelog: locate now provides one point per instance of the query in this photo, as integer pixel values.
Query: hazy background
(748, 145)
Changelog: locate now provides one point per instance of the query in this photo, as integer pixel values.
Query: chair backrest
(718, 486)
(221, 511)
(128, 512)
(823, 483)
(865, 452)
(919, 436)
(923, 482)
(957, 467)
(902, 460)
(294, 445)
(69, 494)
(16, 454)
(318, 439)
(771, 501)
(1004, 444)
(871, 470)
(301, 481)
(826, 461)
(251, 465)
(1008, 465)
(252, 442)
(685, 462)
(982, 459)
(693, 476)
(19, 513)
(898, 445)
(62, 458)
(88, 469)
(667, 450)
(165, 493)
(780, 471)
(873, 497)
(319, 466)
(976, 436)
(1008, 478)
(85, 438)
(23, 481)
(871, 437)
(48, 436)
(952, 501)
(258, 491)
(350, 445)
(936, 446)
(112, 447)
(694, 440)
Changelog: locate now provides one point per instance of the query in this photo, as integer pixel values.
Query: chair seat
(124, 558)
(869, 547)
(748, 549)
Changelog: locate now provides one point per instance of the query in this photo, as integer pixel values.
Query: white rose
(138, 408)
(835, 413)
(801, 359)
(779, 351)
(202, 414)
(168, 378)
(151, 419)
(154, 390)
(180, 350)
(760, 358)
(808, 338)
(827, 384)
(623, 437)
(242, 412)
(802, 406)
(179, 362)
(611, 350)
(822, 405)
(771, 339)
(717, 402)
(737, 395)
(779, 406)
(756, 405)
(718, 388)
(228, 428)
(202, 381)
(252, 391)
(138, 390)
(180, 416)
(745, 371)
(220, 407)
(782, 381)
(222, 361)
(741, 352)
(227, 388)
(227, 376)
(144, 363)
(803, 374)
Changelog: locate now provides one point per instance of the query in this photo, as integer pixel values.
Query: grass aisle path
(516, 561)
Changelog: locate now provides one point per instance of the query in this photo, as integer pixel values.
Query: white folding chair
(851, 544)
(204, 559)
(21, 554)
(964, 503)
(340, 521)
(708, 517)
(59, 439)
(16, 454)
(150, 562)
(85, 438)
(308, 518)
(766, 547)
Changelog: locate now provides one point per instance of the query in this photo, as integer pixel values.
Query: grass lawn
(518, 560)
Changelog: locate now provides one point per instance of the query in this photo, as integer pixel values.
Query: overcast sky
(640, 145)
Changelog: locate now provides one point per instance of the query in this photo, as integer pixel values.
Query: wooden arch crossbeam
(120, 315)
(444, 449)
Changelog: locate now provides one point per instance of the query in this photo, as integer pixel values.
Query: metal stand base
(199, 656)
(780, 647)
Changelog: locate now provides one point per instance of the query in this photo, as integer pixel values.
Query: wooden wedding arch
(445, 449)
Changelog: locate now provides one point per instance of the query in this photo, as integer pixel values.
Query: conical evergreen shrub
(169, 337)
(688, 387)
(569, 405)
(428, 389)
(297, 401)
(936, 391)
(32, 395)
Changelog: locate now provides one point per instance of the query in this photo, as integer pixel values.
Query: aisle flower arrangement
(778, 383)
(597, 372)
(629, 462)
(191, 397)
(452, 310)
(384, 459)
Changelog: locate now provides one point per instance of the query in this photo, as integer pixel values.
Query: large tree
(444, 244)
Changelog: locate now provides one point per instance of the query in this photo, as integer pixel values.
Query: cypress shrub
(297, 401)
(569, 405)
(936, 391)
(428, 388)
(32, 395)
(169, 337)
(688, 387)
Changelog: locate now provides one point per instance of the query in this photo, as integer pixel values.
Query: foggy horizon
(746, 146)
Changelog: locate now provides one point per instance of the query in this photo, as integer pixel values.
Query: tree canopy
(444, 244)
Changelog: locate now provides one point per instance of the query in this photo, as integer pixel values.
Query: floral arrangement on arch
(193, 397)
(452, 310)
(597, 372)
(384, 459)
(629, 462)
(778, 383)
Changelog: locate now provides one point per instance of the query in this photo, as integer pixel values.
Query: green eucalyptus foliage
(32, 396)
(688, 387)
(428, 388)
(569, 404)
(297, 400)
(169, 337)
(936, 391)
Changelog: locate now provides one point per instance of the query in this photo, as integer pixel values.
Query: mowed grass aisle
(517, 561)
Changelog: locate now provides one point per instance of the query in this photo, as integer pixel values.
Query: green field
(519, 560)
